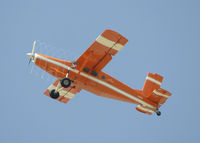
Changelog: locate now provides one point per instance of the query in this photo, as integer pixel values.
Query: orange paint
(88, 75)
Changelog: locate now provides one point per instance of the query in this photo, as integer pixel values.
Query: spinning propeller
(32, 55)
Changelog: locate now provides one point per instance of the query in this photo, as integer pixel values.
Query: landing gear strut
(158, 112)
(65, 83)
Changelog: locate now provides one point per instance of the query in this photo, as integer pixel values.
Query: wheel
(65, 82)
(54, 94)
(158, 113)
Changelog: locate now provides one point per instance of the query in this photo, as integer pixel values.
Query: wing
(97, 56)
(65, 93)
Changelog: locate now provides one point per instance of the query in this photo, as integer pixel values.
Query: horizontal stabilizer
(145, 109)
(159, 96)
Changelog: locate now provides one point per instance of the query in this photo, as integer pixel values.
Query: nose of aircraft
(30, 55)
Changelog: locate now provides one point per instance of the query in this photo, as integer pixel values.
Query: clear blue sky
(163, 38)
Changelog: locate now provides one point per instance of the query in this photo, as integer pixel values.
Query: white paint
(108, 43)
(62, 92)
(55, 63)
(30, 55)
(145, 109)
(153, 80)
(96, 80)
(33, 50)
(160, 94)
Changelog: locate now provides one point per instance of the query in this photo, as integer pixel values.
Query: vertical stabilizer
(152, 82)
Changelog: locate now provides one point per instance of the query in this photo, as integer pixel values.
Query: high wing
(65, 93)
(97, 56)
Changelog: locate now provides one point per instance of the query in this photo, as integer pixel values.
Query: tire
(54, 94)
(65, 82)
(158, 113)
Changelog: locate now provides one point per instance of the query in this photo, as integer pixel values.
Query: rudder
(152, 82)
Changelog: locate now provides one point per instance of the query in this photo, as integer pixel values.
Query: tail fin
(153, 81)
(152, 90)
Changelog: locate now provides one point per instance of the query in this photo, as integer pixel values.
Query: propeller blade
(29, 61)
(33, 50)
(31, 55)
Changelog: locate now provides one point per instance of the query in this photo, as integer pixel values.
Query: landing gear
(54, 94)
(65, 82)
(158, 112)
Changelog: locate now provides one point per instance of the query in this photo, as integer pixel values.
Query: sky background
(164, 38)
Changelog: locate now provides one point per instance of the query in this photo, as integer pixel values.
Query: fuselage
(99, 83)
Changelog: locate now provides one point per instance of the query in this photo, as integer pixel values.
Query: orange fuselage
(99, 83)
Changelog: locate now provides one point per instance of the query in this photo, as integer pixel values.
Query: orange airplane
(86, 73)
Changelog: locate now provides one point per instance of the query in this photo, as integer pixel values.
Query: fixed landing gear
(54, 94)
(158, 112)
(65, 82)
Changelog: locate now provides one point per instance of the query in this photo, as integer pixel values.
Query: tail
(152, 91)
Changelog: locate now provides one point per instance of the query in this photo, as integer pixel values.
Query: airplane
(86, 73)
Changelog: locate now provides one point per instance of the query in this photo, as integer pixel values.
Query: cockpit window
(103, 77)
(86, 70)
(94, 73)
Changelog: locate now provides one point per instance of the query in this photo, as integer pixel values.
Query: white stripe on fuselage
(54, 62)
(95, 79)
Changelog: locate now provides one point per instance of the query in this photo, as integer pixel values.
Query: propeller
(31, 55)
